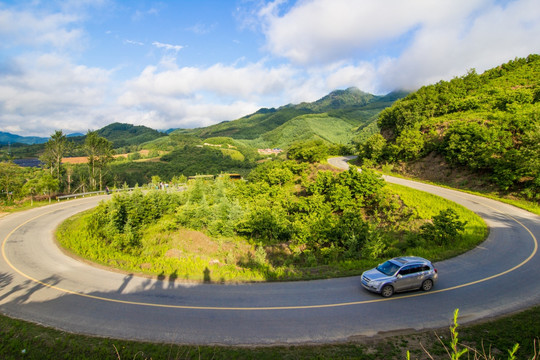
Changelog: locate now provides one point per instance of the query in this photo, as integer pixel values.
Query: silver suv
(400, 274)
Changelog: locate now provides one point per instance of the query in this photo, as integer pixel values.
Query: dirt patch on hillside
(187, 243)
(435, 168)
(84, 159)
(194, 242)
(75, 160)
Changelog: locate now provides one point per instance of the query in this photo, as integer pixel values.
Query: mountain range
(336, 118)
(7, 138)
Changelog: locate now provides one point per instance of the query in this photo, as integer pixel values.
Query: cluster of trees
(118, 223)
(186, 160)
(17, 182)
(55, 176)
(488, 123)
(98, 150)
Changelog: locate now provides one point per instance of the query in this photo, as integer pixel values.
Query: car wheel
(387, 291)
(427, 285)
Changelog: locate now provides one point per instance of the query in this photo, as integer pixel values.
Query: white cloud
(202, 29)
(48, 92)
(329, 30)
(140, 15)
(406, 43)
(485, 39)
(185, 113)
(26, 28)
(252, 80)
(170, 47)
(362, 76)
(133, 42)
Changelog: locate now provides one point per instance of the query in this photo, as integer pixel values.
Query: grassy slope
(306, 127)
(252, 126)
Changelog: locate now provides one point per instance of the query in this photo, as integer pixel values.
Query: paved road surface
(40, 284)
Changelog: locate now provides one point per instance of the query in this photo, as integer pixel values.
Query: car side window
(405, 270)
(413, 269)
(417, 269)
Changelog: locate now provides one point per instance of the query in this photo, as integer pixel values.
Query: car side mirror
(399, 276)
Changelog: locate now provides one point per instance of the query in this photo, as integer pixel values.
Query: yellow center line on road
(298, 307)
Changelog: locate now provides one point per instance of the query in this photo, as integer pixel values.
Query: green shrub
(445, 228)
(310, 151)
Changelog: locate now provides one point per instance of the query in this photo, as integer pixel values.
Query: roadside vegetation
(290, 221)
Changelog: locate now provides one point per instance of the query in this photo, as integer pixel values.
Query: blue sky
(75, 65)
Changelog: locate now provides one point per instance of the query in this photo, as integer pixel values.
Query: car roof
(404, 260)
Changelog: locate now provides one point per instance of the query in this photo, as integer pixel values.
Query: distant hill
(122, 135)
(126, 134)
(340, 99)
(337, 118)
(7, 138)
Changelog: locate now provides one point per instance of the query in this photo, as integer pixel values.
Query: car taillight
(436, 271)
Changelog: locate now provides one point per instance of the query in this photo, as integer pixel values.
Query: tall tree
(55, 149)
(99, 152)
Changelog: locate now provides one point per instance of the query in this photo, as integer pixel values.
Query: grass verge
(23, 340)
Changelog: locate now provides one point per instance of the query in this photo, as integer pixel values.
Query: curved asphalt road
(40, 284)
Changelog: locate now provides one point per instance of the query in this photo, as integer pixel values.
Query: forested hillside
(187, 161)
(124, 135)
(487, 124)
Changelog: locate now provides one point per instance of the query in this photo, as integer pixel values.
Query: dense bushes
(311, 151)
(118, 223)
(488, 123)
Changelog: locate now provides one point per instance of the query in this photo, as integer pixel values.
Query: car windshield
(388, 268)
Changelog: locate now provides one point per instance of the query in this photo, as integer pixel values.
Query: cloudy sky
(75, 65)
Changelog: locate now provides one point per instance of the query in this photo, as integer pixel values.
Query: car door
(403, 278)
(409, 277)
(417, 276)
